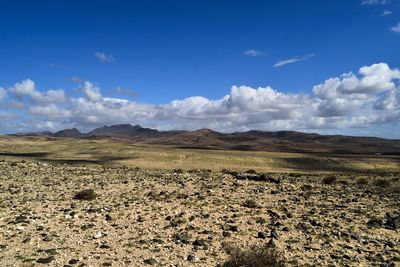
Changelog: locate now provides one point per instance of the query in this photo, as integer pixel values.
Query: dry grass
(80, 151)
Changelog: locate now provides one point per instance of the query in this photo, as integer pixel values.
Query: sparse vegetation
(382, 183)
(250, 203)
(362, 181)
(86, 194)
(329, 179)
(191, 212)
(253, 256)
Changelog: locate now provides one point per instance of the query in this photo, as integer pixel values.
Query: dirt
(184, 218)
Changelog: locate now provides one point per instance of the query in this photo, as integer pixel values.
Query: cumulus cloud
(51, 111)
(254, 53)
(396, 28)
(103, 57)
(292, 60)
(27, 88)
(374, 79)
(91, 91)
(363, 99)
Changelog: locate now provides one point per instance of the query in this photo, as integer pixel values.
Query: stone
(150, 261)
(45, 260)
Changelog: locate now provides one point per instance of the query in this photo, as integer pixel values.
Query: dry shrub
(382, 183)
(250, 203)
(253, 256)
(362, 181)
(329, 179)
(87, 194)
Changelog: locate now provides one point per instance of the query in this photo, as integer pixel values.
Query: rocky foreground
(61, 215)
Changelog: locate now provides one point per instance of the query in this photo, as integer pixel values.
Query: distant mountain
(42, 133)
(123, 130)
(280, 141)
(71, 133)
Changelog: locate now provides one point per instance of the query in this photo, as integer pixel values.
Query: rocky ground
(137, 217)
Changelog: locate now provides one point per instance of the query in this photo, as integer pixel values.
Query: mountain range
(280, 141)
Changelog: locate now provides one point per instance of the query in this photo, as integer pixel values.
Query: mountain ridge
(253, 140)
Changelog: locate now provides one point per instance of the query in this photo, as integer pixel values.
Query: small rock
(226, 234)
(191, 258)
(105, 246)
(150, 261)
(261, 235)
(274, 234)
(48, 238)
(199, 242)
(98, 235)
(45, 260)
(73, 261)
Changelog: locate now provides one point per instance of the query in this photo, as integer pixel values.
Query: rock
(199, 242)
(182, 237)
(45, 260)
(98, 235)
(230, 227)
(150, 261)
(226, 234)
(274, 234)
(73, 261)
(271, 243)
(274, 180)
(105, 246)
(48, 238)
(191, 258)
(108, 217)
(261, 235)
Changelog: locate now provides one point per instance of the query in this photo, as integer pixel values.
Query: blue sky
(156, 52)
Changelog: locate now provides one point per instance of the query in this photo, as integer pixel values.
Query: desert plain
(77, 202)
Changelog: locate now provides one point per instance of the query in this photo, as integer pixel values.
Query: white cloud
(396, 28)
(103, 57)
(3, 93)
(363, 99)
(375, 78)
(254, 53)
(386, 13)
(27, 88)
(91, 91)
(51, 111)
(373, 2)
(292, 60)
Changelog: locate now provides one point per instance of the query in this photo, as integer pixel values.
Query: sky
(330, 67)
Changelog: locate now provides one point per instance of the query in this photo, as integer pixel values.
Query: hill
(254, 140)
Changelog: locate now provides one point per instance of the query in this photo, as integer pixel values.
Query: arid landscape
(115, 202)
(171, 133)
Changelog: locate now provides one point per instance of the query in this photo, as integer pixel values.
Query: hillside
(280, 141)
